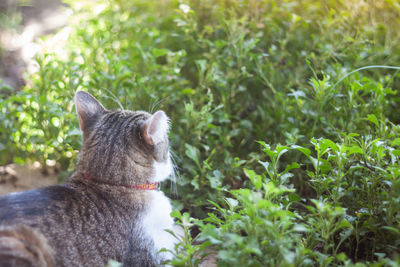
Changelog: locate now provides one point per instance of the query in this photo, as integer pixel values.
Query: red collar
(146, 186)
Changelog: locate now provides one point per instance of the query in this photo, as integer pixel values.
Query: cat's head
(122, 146)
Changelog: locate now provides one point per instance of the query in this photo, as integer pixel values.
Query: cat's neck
(145, 186)
(86, 177)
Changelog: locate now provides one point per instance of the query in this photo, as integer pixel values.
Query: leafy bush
(230, 73)
(354, 213)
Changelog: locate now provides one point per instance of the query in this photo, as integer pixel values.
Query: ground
(14, 178)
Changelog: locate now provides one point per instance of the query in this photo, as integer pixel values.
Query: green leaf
(343, 224)
(293, 197)
(325, 144)
(392, 229)
(372, 118)
(176, 214)
(193, 153)
(253, 247)
(284, 177)
(341, 257)
(315, 162)
(160, 52)
(303, 150)
(281, 150)
(396, 142)
(188, 91)
(346, 233)
(300, 228)
(396, 152)
(325, 166)
(201, 64)
(231, 202)
(254, 178)
(292, 166)
(213, 234)
(226, 255)
(215, 179)
(265, 164)
(19, 160)
(267, 149)
(354, 150)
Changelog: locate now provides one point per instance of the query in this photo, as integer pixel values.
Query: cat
(109, 208)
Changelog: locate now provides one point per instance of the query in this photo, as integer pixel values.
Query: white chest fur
(156, 220)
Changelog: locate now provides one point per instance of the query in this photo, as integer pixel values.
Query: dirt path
(14, 178)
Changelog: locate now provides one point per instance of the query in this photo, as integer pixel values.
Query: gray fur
(88, 222)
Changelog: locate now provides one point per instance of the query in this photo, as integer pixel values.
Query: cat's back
(24, 219)
(27, 205)
(86, 224)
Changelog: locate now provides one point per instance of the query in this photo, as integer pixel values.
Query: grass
(284, 119)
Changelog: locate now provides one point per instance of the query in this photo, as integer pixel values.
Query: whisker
(174, 175)
(113, 97)
(157, 103)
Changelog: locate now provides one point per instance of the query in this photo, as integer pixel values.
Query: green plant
(320, 77)
(268, 223)
(188, 252)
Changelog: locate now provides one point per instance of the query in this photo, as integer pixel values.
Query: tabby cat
(110, 207)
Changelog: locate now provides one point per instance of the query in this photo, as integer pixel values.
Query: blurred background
(290, 106)
(22, 24)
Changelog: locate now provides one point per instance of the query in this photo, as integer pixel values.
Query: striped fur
(87, 223)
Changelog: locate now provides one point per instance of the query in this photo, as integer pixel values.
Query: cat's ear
(155, 129)
(88, 109)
